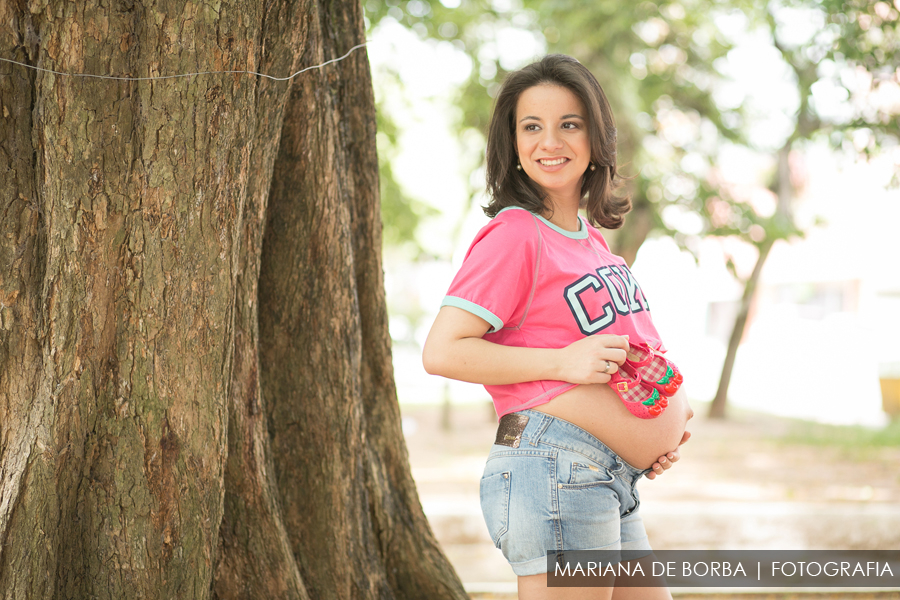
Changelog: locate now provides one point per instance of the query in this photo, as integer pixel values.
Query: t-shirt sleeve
(497, 278)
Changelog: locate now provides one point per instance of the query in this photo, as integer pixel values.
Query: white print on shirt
(626, 295)
(626, 301)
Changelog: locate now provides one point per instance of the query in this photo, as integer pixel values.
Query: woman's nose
(550, 140)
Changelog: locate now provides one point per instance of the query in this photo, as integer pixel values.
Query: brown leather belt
(509, 432)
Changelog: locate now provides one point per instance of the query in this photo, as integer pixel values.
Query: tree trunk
(784, 193)
(166, 430)
(717, 407)
(351, 508)
(628, 240)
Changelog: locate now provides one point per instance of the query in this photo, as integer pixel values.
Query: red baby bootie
(641, 400)
(645, 381)
(654, 369)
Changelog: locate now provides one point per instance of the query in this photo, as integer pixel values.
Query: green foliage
(661, 66)
(400, 214)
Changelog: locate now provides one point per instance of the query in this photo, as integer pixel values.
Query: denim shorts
(559, 489)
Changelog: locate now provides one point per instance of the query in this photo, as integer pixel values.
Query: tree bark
(352, 512)
(255, 559)
(175, 420)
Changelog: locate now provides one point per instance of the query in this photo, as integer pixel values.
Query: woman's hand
(665, 462)
(592, 359)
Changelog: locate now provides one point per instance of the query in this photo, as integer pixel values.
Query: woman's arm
(455, 349)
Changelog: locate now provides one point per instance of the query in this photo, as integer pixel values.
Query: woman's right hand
(586, 360)
(664, 463)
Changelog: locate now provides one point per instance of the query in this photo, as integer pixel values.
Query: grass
(845, 437)
(798, 443)
(855, 441)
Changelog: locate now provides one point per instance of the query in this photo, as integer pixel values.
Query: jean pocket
(495, 504)
(586, 474)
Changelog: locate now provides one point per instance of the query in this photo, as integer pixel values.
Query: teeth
(551, 163)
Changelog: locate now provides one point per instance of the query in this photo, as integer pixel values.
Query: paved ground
(741, 484)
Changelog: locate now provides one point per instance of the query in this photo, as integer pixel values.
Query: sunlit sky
(796, 361)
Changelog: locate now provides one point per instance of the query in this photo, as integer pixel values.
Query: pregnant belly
(598, 410)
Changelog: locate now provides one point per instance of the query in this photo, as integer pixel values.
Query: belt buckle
(509, 432)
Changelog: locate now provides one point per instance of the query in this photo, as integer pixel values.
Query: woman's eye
(570, 125)
(531, 127)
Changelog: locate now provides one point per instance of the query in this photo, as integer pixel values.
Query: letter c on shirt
(587, 325)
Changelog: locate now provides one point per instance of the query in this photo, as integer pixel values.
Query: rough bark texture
(118, 467)
(137, 423)
(351, 509)
(255, 558)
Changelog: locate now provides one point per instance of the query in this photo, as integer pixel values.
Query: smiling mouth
(547, 162)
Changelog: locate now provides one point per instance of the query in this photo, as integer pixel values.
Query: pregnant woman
(560, 333)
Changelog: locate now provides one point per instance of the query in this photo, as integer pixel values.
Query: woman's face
(552, 140)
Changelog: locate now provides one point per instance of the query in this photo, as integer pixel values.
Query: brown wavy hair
(511, 187)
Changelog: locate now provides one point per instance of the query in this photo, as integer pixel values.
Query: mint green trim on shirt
(478, 311)
(581, 234)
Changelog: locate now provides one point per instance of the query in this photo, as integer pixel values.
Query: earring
(593, 167)
(518, 166)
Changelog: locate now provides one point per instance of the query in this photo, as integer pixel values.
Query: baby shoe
(654, 369)
(641, 400)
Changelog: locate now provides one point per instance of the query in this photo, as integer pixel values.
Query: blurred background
(762, 138)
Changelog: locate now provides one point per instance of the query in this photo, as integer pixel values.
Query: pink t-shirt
(540, 286)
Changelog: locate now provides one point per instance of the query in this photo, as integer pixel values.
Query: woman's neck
(562, 214)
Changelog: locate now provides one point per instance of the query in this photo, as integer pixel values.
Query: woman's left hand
(665, 462)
